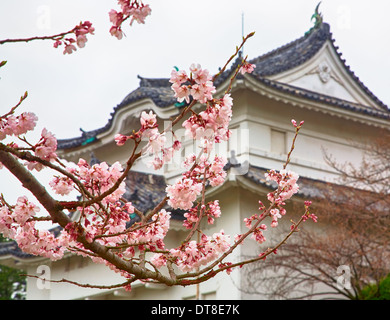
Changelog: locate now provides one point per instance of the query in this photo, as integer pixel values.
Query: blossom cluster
(45, 148)
(110, 226)
(16, 223)
(186, 189)
(257, 234)
(153, 234)
(80, 32)
(211, 124)
(17, 125)
(192, 255)
(198, 84)
(286, 187)
(40, 242)
(247, 68)
(211, 210)
(308, 214)
(96, 179)
(156, 141)
(133, 9)
(106, 223)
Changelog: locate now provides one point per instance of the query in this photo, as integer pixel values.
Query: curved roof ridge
(326, 99)
(299, 51)
(293, 53)
(154, 82)
(357, 79)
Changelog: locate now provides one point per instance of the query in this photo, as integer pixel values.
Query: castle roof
(268, 67)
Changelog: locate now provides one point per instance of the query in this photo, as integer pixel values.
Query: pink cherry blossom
(17, 125)
(158, 260)
(181, 92)
(62, 185)
(183, 193)
(203, 91)
(116, 32)
(193, 255)
(80, 32)
(116, 17)
(214, 211)
(41, 242)
(24, 210)
(275, 214)
(247, 68)
(199, 86)
(7, 227)
(120, 139)
(213, 123)
(258, 235)
(81, 40)
(287, 185)
(178, 77)
(139, 14)
(25, 122)
(133, 10)
(46, 147)
(69, 48)
(148, 120)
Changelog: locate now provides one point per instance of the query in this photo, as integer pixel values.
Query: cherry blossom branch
(23, 155)
(53, 37)
(238, 49)
(209, 272)
(189, 107)
(130, 229)
(54, 209)
(80, 31)
(101, 231)
(85, 285)
(31, 183)
(297, 128)
(201, 211)
(94, 199)
(255, 226)
(22, 98)
(133, 9)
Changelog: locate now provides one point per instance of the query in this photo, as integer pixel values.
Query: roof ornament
(88, 136)
(317, 16)
(236, 168)
(93, 159)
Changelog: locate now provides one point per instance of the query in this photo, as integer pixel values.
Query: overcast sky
(80, 91)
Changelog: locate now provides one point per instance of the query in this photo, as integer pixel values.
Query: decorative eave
(318, 102)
